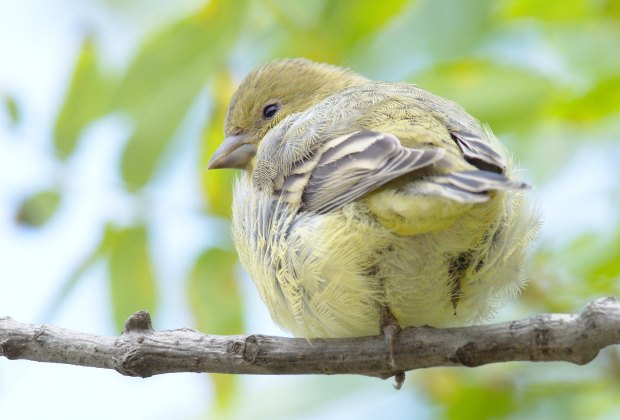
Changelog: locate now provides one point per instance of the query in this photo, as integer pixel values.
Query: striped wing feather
(350, 166)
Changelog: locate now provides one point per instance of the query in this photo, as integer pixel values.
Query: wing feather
(350, 166)
(479, 152)
(466, 187)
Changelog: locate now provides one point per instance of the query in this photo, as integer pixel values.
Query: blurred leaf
(100, 251)
(346, 21)
(12, 109)
(38, 209)
(584, 269)
(87, 99)
(327, 30)
(165, 78)
(599, 102)
(540, 295)
(343, 24)
(216, 304)
(612, 7)
(507, 98)
(450, 28)
(482, 402)
(603, 272)
(608, 269)
(214, 295)
(217, 185)
(583, 49)
(132, 279)
(555, 10)
(225, 390)
(466, 396)
(498, 391)
(579, 398)
(425, 33)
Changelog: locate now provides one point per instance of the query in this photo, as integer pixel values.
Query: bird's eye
(270, 110)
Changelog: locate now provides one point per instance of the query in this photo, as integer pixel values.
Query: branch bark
(141, 351)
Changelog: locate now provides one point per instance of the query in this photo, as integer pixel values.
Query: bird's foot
(390, 329)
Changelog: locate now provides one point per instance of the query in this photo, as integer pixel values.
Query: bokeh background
(109, 110)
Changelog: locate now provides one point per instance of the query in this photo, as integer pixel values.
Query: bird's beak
(235, 152)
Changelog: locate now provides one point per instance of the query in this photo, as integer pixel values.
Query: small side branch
(141, 351)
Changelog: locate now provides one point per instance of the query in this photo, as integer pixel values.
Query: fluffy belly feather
(329, 275)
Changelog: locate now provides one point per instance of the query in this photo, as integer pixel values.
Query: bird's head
(269, 94)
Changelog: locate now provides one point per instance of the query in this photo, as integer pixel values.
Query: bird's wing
(478, 152)
(350, 166)
(474, 140)
(465, 186)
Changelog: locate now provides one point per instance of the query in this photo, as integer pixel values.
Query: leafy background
(110, 109)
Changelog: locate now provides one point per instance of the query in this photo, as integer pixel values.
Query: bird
(363, 207)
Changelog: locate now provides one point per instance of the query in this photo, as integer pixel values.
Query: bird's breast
(328, 275)
(314, 272)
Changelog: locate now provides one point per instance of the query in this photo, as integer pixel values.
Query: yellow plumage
(361, 196)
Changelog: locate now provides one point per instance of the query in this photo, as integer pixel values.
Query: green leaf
(557, 11)
(215, 301)
(12, 109)
(87, 99)
(327, 30)
(346, 24)
(584, 269)
(583, 49)
(38, 209)
(346, 21)
(508, 98)
(100, 251)
(131, 274)
(225, 391)
(217, 185)
(425, 33)
(601, 101)
(603, 272)
(579, 398)
(483, 402)
(165, 78)
(470, 395)
(214, 295)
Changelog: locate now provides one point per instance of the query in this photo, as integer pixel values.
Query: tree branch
(141, 351)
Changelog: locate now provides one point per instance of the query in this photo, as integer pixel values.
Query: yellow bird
(367, 206)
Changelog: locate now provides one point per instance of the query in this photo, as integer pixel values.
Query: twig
(141, 351)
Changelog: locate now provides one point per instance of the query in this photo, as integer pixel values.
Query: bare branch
(140, 351)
